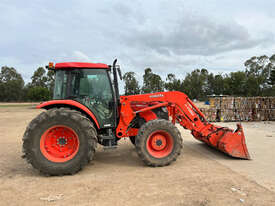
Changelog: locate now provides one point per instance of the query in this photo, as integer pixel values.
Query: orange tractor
(87, 109)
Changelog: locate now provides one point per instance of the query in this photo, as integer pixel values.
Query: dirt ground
(201, 176)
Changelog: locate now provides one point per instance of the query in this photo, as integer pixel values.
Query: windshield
(90, 87)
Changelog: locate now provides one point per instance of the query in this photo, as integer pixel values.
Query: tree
(172, 83)
(36, 94)
(195, 84)
(11, 85)
(215, 84)
(131, 84)
(272, 77)
(235, 84)
(152, 82)
(39, 78)
(257, 73)
(50, 81)
(272, 70)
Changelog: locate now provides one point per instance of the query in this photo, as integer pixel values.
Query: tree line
(14, 89)
(258, 79)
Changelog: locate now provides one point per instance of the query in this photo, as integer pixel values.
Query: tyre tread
(158, 123)
(86, 126)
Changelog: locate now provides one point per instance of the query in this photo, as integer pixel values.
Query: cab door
(95, 92)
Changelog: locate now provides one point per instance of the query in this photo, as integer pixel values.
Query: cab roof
(84, 65)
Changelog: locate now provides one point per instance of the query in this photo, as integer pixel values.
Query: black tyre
(158, 143)
(161, 113)
(133, 139)
(59, 141)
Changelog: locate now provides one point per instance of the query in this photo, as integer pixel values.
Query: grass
(16, 105)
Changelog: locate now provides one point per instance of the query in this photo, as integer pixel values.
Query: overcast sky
(166, 35)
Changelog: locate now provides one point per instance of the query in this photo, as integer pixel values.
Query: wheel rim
(59, 143)
(159, 144)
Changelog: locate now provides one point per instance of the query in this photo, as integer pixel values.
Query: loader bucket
(228, 141)
(233, 143)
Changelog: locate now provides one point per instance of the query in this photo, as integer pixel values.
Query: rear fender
(72, 104)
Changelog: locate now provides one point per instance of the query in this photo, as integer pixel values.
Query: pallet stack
(230, 109)
(210, 114)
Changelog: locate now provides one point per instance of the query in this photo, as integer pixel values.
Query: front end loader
(87, 110)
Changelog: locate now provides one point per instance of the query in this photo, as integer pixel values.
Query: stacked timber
(230, 109)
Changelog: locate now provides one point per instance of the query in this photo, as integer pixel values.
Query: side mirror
(119, 71)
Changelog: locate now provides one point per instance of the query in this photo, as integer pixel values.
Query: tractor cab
(89, 84)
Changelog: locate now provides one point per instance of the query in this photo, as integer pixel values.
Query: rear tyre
(158, 143)
(59, 142)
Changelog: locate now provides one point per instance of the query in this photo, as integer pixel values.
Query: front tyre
(133, 139)
(158, 143)
(161, 113)
(59, 141)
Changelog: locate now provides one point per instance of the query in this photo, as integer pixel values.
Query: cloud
(194, 35)
(80, 56)
(168, 36)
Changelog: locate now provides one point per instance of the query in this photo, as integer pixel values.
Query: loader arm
(183, 111)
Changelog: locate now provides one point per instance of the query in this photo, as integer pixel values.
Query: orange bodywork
(183, 111)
